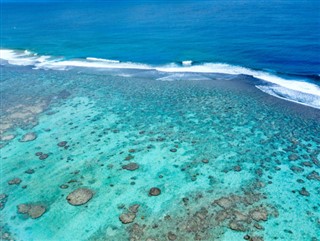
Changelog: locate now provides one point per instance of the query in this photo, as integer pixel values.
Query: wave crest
(297, 90)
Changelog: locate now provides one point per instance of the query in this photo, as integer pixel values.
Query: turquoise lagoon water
(261, 152)
(221, 115)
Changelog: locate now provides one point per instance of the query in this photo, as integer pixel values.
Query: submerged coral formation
(100, 157)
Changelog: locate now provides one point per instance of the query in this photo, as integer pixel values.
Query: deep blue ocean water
(276, 35)
(171, 120)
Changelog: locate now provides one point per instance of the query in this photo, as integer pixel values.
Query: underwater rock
(79, 196)
(43, 156)
(306, 164)
(205, 161)
(258, 226)
(314, 176)
(296, 169)
(3, 196)
(3, 200)
(127, 218)
(134, 208)
(136, 232)
(28, 137)
(259, 214)
(222, 215)
(239, 216)
(21, 115)
(7, 137)
(23, 208)
(32, 210)
(201, 214)
(172, 236)
(72, 181)
(250, 199)
(6, 236)
(246, 237)
(237, 168)
(293, 157)
(15, 181)
(194, 224)
(304, 192)
(38, 153)
(237, 226)
(129, 157)
(160, 139)
(36, 211)
(62, 143)
(29, 171)
(315, 161)
(258, 238)
(132, 150)
(131, 166)
(224, 202)
(300, 181)
(154, 191)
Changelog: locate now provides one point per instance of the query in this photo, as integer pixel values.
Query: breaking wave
(296, 89)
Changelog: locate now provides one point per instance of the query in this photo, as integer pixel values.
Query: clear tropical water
(174, 87)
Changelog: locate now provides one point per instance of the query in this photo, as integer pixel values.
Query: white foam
(291, 95)
(103, 60)
(297, 85)
(183, 76)
(23, 58)
(26, 58)
(187, 63)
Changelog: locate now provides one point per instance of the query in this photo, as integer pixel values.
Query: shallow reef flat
(94, 156)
